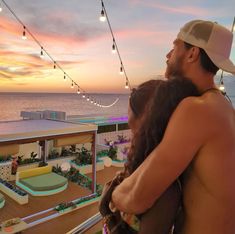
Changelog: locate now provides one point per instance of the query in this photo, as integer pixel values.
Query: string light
(24, 34)
(126, 86)
(102, 14)
(41, 54)
(0, 7)
(88, 99)
(72, 85)
(114, 46)
(43, 51)
(221, 82)
(121, 70)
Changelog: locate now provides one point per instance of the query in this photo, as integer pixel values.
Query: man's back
(209, 185)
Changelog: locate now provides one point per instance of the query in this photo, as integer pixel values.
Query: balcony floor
(65, 222)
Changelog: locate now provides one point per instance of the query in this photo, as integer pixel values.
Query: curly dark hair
(141, 95)
(167, 95)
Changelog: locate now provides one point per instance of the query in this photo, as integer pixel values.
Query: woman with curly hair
(150, 108)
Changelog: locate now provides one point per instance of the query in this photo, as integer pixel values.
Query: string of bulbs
(44, 52)
(221, 81)
(103, 18)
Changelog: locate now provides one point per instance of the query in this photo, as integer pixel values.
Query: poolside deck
(65, 222)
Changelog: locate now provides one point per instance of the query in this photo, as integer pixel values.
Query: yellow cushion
(34, 172)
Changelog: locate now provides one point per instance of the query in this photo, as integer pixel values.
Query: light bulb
(72, 86)
(78, 92)
(221, 87)
(24, 34)
(114, 49)
(126, 86)
(121, 70)
(88, 99)
(83, 96)
(41, 54)
(102, 16)
(54, 65)
(64, 77)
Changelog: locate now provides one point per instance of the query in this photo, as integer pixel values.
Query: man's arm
(183, 137)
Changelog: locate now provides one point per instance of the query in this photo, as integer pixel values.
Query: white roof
(29, 129)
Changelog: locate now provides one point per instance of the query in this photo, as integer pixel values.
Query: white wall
(27, 149)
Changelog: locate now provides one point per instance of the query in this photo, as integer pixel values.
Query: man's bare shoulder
(202, 108)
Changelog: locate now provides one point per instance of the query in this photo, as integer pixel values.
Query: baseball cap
(215, 39)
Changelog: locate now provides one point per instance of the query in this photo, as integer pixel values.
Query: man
(200, 136)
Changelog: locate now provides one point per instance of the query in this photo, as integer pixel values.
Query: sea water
(11, 104)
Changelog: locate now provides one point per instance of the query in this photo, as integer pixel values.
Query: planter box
(118, 163)
(24, 167)
(85, 169)
(59, 161)
(15, 196)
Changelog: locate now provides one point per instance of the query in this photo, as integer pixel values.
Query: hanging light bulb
(78, 92)
(88, 99)
(24, 34)
(54, 65)
(0, 7)
(114, 47)
(72, 86)
(102, 15)
(92, 101)
(221, 86)
(121, 70)
(64, 76)
(126, 86)
(83, 96)
(41, 54)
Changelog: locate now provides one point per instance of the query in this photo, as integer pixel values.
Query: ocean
(11, 104)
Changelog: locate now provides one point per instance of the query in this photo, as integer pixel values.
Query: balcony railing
(86, 225)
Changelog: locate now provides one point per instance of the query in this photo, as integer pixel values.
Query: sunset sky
(70, 31)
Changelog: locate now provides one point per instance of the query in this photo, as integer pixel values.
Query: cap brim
(220, 62)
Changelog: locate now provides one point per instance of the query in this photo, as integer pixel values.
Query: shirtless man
(200, 134)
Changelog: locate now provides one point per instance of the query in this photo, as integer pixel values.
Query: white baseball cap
(215, 39)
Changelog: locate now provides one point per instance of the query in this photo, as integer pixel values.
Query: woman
(149, 113)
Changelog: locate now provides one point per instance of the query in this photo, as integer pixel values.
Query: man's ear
(193, 54)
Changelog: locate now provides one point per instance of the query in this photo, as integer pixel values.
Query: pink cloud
(187, 10)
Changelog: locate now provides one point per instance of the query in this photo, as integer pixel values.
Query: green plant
(33, 155)
(112, 153)
(53, 154)
(20, 159)
(83, 157)
(5, 158)
(42, 164)
(102, 153)
(65, 152)
(57, 169)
